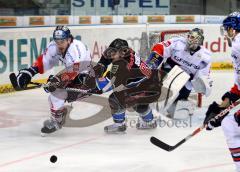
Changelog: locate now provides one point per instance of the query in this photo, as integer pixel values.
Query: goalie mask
(195, 39)
(118, 47)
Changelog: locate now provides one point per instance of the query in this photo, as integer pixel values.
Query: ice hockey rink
(89, 149)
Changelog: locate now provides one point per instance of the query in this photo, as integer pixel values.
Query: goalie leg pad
(175, 81)
(183, 96)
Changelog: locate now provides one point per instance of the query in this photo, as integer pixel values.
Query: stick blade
(161, 144)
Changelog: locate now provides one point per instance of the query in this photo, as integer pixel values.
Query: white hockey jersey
(77, 52)
(236, 59)
(174, 51)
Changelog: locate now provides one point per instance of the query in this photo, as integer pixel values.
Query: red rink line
(206, 167)
(47, 152)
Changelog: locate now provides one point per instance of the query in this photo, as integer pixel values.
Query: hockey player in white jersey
(76, 59)
(231, 122)
(189, 54)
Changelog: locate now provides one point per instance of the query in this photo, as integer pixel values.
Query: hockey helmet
(195, 38)
(117, 45)
(232, 21)
(61, 33)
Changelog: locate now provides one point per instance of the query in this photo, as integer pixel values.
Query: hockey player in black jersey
(133, 83)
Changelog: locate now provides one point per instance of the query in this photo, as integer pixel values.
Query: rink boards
(19, 47)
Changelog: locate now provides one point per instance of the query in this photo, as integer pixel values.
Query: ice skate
(145, 125)
(117, 128)
(55, 122)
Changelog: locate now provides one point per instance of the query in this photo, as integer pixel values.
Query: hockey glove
(24, 76)
(237, 117)
(54, 83)
(213, 110)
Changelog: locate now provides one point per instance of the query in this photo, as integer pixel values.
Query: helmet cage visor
(110, 51)
(194, 40)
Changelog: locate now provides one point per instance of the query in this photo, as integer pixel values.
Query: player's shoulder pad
(79, 43)
(51, 49)
(179, 42)
(76, 48)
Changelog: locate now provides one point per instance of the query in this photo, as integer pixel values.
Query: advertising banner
(123, 7)
(20, 49)
(8, 21)
(106, 19)
(62, 20)
(185, 19)
(85, 20)
(130, 19)
(156, 19)
(36, 21)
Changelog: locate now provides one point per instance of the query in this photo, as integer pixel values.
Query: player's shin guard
(55, 122)
(119, 125)
(146, 120)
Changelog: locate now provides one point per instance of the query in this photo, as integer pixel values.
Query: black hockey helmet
(117, 45)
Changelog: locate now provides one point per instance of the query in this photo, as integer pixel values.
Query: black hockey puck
(53, 158)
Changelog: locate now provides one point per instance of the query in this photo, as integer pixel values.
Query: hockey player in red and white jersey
(231, 122)
(189, 54)
(74, 56)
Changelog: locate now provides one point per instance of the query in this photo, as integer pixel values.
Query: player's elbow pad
(202, 84)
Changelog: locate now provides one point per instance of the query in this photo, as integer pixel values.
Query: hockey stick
(130, 85)
(14, 83)
(169, 148)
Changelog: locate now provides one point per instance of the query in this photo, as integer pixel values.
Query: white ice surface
(88, 149)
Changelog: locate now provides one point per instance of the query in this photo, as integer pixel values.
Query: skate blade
(43, 134)
(152, 128)
(115, 132)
